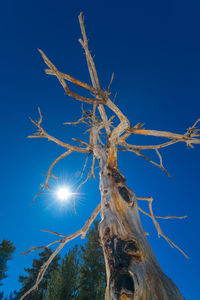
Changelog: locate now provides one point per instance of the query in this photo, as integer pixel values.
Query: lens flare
(63, 193)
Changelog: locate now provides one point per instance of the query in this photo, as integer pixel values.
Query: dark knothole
(124, 193)
(120, 254)
(124, 281)
(131, 247)
(116, 175)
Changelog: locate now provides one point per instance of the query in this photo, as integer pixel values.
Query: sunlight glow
(63, 193)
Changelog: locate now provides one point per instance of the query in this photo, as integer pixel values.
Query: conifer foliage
(92, 278)
(81, 275)
(6, 251)
(63, 283)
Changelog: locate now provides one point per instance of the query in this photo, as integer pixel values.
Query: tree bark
(132, 269)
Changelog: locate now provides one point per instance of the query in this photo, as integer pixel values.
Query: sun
(63, 193)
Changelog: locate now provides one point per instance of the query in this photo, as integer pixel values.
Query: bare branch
(73, 80)
(45, 185)
(104, 118)
(54, 232)
(93, 114)
(85, 165)
(93, 72)
(90, 62)
(81, 120)
(116, 132)
(146, 147)
(80, 185)
(127, 134)
(94, 78)
(65, 86)
(193, 131)
(160, 232)
(43, 134)
(160, 157)
(81, 232)
(152, 162)
(81, 142)
(194, 125)
(187, 138)
(111, 80)
(92, 167)
(34, 248)
(160, 217)
(90, 173)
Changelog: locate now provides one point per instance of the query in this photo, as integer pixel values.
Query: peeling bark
(133, 271)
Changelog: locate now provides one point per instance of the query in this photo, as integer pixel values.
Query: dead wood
(132, 269)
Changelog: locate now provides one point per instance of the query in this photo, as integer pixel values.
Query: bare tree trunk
(133, 271)
(131, 266)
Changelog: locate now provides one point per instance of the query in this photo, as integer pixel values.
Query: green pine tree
(63, 284)
(92, 278)
(6, 251)
(29, 281)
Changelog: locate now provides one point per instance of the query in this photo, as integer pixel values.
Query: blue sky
(154, 50)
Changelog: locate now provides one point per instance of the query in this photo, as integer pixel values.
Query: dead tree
(132, 269)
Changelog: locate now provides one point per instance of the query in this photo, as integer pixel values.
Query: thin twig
(54, 232)
(152, 162)
(92, 71)
(111, 80)
(81, 120)
(159, 230)
(34, 248)
(45, 185)
(85, 165)
(92, 167)
(82, 183)
(43, 134)
(146, 147)
(90, 61)
(159, 217)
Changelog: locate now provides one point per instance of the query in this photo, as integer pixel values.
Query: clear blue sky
(153, 47)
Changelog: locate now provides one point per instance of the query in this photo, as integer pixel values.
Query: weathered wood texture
(131, 266)
(133, 271)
